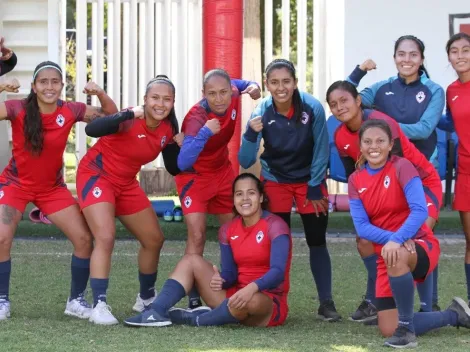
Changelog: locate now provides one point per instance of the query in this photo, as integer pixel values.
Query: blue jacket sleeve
(321, 152)
(367, 94)
(278, 264)
(446, 122)
(241, 84)
(419, 211)
(192, 147)
(229, 268)
(430, 118)
(363, 226)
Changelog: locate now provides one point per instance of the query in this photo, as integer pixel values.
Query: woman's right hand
(368, 65)
(10, 85)
(138, 112)
(216, 281)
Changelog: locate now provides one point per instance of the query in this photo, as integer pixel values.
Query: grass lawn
(40, 282)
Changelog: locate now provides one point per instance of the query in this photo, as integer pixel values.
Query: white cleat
(78, 308)
(141, 304)
(4, 309)
(102, 315)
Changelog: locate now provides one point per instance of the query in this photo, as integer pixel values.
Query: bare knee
(239, 314)
(83, 241)
(104, 241)
(403, 263)
(6, 240)
(153, 242)
(364, 247)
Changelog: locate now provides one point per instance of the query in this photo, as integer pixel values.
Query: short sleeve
(277, 227)
(78, 109)
(405, 171)
(194, 121)
(223, 234)
(14, 107)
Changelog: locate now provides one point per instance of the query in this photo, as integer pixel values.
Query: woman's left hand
(240, 299)
(253, 91)
(390, 253)
(179, 138)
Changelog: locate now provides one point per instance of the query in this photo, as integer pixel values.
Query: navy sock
(370, 263)
(218, 316)
(425, 293)
(403, 293)
(194, 297)
(467, 274)
(80, 274)
(170, 294)
(147, 285)
(320, 264)
(424, 322)
(435, 292)
(5, 270)
(99, 288)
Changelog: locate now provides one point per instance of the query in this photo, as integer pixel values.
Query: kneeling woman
(251, 289)
(388, 208)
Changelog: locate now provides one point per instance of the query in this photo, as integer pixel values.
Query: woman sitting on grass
(251, 289)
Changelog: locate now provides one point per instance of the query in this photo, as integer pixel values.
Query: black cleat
(365, 312)
(402, 338)
(194, 303)
(459, 306)
(327, 311)
(181, 316)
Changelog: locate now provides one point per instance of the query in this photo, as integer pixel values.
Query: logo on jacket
(386, 182)
(259, 236)
(234, 114)
(97, 192)
(420, 97)
(389, 93)
(304, 118)
(163, 141)
(60, 120)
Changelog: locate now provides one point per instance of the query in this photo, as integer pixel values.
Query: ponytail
(32, 128)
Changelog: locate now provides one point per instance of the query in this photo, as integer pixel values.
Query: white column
(302, 43)
(285, 29)
(268, 32)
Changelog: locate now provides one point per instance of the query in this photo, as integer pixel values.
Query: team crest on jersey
(234, 114)
(97, 192)
(60, 120)
(304, 118)
(163, 141)
(420, 97)
(187, 201)
(386, 181)
(259, 236)
(2, 194)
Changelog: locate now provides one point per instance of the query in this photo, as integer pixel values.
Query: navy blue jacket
(416, 106)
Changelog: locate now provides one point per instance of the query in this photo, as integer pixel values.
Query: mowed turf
(40, 284)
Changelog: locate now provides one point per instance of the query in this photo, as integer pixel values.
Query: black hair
(420, 45)
(348, 87)
(259, 187)
(217, 72)
(296, 99)
(456, 37)
(162, 79)
(383, 125)
(33, 128)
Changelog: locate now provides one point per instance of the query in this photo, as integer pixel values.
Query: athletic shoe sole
(363, 320)
(156, 324)
(72, 314)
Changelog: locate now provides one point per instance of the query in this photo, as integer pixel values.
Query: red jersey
(251, 248)
(214, 156)
(120, 156)
(458, 102)
(347, 143)
(44, 170)
(383, 196)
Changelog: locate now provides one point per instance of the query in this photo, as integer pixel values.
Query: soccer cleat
(149, 317)
(327, 311)
(141, 304)
(365, 312)
(4, 309)
(101, 315)
(402, 338)
(459, 306)
(78, 308)
(180, 316)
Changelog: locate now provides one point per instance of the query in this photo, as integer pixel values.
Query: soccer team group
(394, 190)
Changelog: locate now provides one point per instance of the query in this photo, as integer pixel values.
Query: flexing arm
(367, 94)
(108, 124)
(108, 107)
(251, 139)
(8, 58)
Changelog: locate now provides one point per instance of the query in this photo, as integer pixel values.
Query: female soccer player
(204, 185)
(40, 127)
(251, 289)
(294, 161)
(458, 111)
(107, 187)
(345, 104)
(8, 58)
(388, 208)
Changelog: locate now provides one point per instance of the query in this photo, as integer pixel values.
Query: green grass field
(40, 283)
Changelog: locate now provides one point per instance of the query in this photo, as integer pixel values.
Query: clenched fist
(368, 65)
(92, 88)
(213, 125)
(256, 124)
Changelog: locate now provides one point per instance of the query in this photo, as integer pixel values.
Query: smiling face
(247, 198)
(281, 84)
(159, 100)
(344, 106)
(48, 86)
(375, 146)
(459, 56)
(218, 93)
(408, 59)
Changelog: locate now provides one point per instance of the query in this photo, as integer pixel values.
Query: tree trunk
(156, 181)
